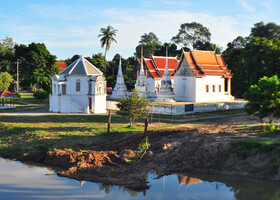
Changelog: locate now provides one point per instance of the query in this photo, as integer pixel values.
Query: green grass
(244, 148)
(29, 99)
(41, 133)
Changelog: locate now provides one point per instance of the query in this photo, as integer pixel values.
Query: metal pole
(158, 113)
(17, 74)
(152, 114)
(146, 126)
(109, 121)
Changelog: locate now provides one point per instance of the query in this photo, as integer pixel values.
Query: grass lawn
(60, 131)
(26, 104)
(29, 99)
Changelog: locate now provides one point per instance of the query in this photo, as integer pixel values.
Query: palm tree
(107, 37)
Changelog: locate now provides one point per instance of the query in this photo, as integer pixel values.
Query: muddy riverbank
(211, 148)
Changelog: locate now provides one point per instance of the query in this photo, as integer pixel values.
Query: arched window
(54, 88)
(78, 85)
(100, 90)
(89, 88)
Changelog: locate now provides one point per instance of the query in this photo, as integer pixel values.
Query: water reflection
(26, 181)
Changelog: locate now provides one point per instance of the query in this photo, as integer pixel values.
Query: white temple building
(120, 89)
(202, 76)
(80, 88)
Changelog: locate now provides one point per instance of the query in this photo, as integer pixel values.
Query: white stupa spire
(166, 73)
(141, 82)
(120, 90)
(166, 91)
(141, 62)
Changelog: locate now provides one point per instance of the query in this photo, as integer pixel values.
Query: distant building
(79, 88)
(202, 76)
(61, 65)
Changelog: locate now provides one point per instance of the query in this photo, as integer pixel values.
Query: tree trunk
(131, 122)
(105, 63)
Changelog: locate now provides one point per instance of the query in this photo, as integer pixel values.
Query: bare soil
(203, 147)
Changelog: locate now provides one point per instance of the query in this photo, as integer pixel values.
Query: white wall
(99, 104)
(151, 85)
(184, 88)
(203, 96)
(76, 101)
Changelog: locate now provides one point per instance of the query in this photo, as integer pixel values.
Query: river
(32, 181)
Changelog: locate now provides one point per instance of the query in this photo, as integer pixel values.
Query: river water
(29, 181)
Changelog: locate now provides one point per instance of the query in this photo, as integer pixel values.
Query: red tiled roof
(156, 66)
(190, 180)
(61, 65)
(4, 93)
(205, 63)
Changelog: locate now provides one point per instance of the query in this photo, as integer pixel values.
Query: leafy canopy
(191, 33)
(253, 57)
(7, 56)
(5, 80)
(264, 98)
(133, 107)
(37, 66)
(269, 30)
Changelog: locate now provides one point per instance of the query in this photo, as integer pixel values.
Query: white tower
(166, 93)
(141, 82)
(120, 90)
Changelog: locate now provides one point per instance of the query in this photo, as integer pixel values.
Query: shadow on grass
(63, 119)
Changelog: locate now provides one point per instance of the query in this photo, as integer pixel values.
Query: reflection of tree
(244, 188)
(107, 188)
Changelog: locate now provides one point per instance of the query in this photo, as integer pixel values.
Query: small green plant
(270, 127)
(40, 94)
(133, 107)
(18, 95)
(142, 148)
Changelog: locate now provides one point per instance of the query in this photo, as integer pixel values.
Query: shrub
(269, 127)
(40, 94)
(142, 148)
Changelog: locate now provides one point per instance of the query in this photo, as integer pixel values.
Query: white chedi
(120, 89)
(166, 93)
(141, 83)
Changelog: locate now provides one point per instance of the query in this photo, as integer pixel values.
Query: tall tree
(107, 37)
(7, 55)
(151, 44)
(269, 30)
(5, 80)
(149, 38)
(259, 57)
(234, 56)
(37, 66)
(190, 33)
(172, 50)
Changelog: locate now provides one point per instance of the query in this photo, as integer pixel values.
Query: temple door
(90, 104)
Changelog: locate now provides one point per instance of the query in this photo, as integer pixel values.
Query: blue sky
(70, 27)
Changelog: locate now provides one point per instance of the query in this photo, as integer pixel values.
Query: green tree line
(249, 58)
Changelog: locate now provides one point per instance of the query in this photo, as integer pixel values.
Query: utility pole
(17, 73)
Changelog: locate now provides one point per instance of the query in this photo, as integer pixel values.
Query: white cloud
(165, 24)
(245, 4)
(76, 30)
